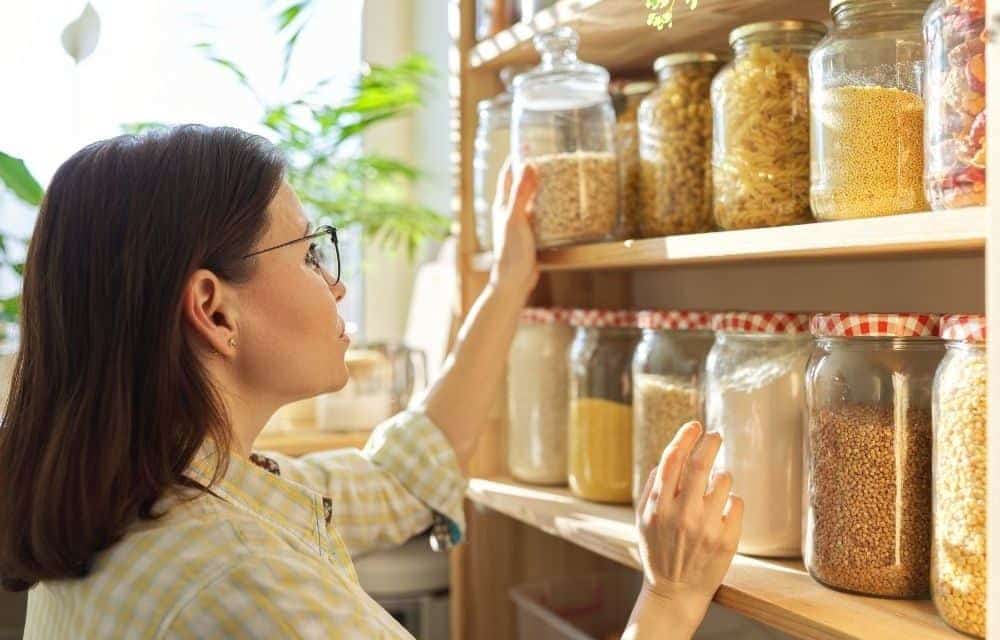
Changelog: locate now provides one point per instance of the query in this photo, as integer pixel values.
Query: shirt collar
(255, 486)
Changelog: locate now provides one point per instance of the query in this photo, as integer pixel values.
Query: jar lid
(762, 322)
(964, 327)
(776, 25)
(675, 320)
(685, 57)
(544, 315)
(884, 325)
(602, 318)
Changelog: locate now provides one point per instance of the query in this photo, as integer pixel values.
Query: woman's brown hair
(108, 402)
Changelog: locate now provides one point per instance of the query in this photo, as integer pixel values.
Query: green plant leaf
(15, 176)
(142, 127)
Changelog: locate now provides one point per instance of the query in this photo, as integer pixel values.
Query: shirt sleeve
(271, 597)
(391, 490)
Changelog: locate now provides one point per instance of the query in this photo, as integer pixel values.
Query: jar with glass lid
(675, 146)
(564, 126)
(955, 94)
(491, 148)
(867, 111)
(626, 96)
(600, 404)
(667, 383)
(538, 396)
(760, 106)
(868, 525)
(958, 552)
(755, 397)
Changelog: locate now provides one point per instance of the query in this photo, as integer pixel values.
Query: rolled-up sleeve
(391, 490)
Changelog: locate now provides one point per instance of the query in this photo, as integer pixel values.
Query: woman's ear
(210, 311)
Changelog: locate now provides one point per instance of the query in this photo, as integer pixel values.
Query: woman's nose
(339, 291)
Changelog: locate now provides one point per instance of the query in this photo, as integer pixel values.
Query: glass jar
(564, 126)
(667, 384)
(531, 8)
(755, 397)
(868, 526)
(600, 412)
(538, 396)
(955, 95)
(760, 135)
(867, 113)
(675, 147)
(958, 553)
(491, 148)
(626, 97)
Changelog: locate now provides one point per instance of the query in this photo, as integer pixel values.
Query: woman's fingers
(699, 467)
(718, 495)
(674, 458)
(732, 521)
(524, 192)
(504, 183)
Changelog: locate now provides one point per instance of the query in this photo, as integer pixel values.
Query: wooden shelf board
(778, 593)
(938, 231)
(300, 442)
(614, 33)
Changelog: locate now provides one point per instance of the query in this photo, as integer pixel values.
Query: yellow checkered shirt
(258, 559)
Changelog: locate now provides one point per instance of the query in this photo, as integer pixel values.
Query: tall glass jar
(760, 105)
(667, 383)
(491, 148)
(600, 406)
(626, 96)
(675, 147)
(755, 396)
(958, 553)
(868, 527)
(867, 113)
(955, 94)
(564, 126)
(538, 396)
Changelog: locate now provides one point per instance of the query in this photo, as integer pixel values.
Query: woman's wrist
(665, 617)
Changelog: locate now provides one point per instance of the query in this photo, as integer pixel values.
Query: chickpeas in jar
(958, 552)
(675, 147)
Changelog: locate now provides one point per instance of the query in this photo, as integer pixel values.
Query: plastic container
(867, 113)
(592, 607)
(600, 422)
(538, 396)
(626, 96)
(868, 527)
(667, 383)
(955, 95)
(755, 397)
(491, 148)
(563, 124)
(675, 147)
(760, 106)
(958, 552)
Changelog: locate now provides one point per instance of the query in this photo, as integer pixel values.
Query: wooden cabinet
(935, 262)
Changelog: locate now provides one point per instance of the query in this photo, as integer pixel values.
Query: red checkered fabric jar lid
(544, 315)
(964, 327)
(884, 325)
(775, 322)
(675, 320)
(602, 318)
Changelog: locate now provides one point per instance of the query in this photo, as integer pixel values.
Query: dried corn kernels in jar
(958, 551)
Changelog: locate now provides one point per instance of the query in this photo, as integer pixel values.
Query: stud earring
(232, 342)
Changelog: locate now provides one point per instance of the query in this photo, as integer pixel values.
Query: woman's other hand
(515, 269)
(689, 527)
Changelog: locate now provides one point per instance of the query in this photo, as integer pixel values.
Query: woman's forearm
(460, 399)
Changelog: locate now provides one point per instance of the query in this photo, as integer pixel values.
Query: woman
(174, 297)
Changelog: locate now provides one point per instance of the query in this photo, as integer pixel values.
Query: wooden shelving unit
(963, 230)
(936, 261)
(778, 593)
(298, 442)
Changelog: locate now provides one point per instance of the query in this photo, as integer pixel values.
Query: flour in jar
(760, 408)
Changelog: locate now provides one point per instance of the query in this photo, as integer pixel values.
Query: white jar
(538, 397)
(755, 396)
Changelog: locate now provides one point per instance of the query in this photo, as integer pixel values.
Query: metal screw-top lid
(686, 56)
(776, 25)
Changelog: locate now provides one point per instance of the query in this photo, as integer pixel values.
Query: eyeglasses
(321, 256)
